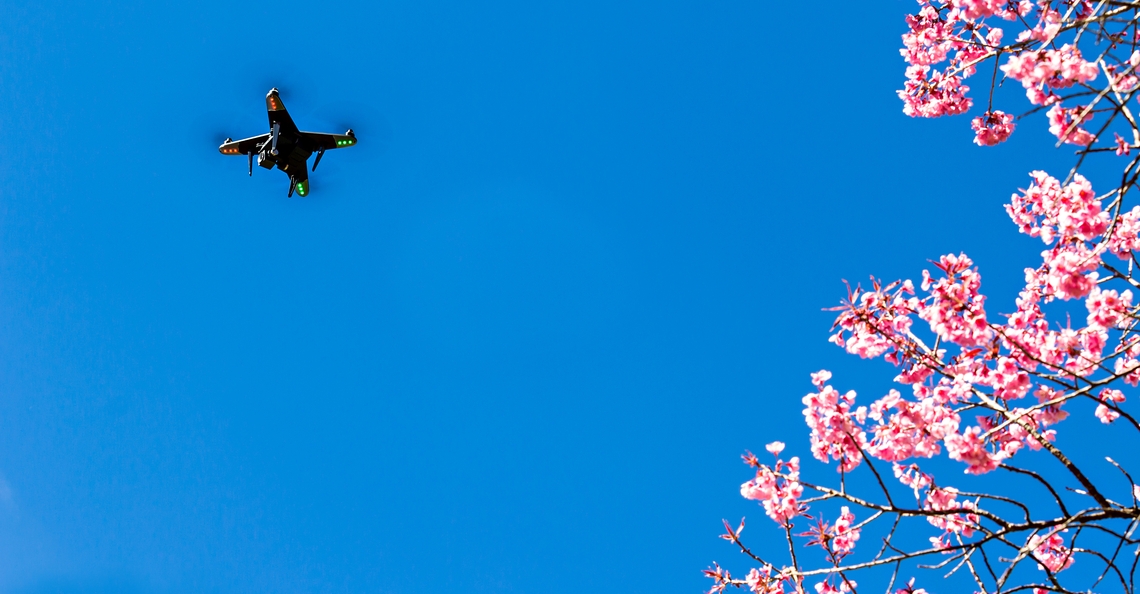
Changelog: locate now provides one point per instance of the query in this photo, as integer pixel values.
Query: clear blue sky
(515, 341)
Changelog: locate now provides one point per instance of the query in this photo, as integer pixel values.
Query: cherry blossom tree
(986, 393)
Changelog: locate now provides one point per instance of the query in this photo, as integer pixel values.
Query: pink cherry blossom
(1128, 367)
(1044, 32)
(766, 581)
(845, 534)
(912, 477)
(1050, 552)
(941, 500)
(778, 494)
(956, 309)
(1103, 411)
(819, 378)
(938, 542)
(915, 429)
(825, 587)
(930, 93)
(1125, 237)
(1008, 379)
(1065, 124)
(1122, 146)
(1026, 426)
(1070, 270)
(1125, 80)
(1055, 69)
(877, 322)
(910, 589)
(721, 578)
(1107, 308)
(1070, 215)
(992, 128)
(835, 429)
(755, 580)
(930, 39)
(968, 447)
(1052, 414)
(977, 9)
(993, 38)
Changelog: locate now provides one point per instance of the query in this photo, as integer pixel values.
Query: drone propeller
(371, 127)
(274, 77)
(216, 137)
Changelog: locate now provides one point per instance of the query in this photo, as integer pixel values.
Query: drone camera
(264, 159)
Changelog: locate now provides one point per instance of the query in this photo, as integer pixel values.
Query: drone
(287, 147)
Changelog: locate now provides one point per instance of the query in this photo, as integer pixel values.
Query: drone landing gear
(273, 138)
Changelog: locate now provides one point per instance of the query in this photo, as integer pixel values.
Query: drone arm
(252, 144)
(321, 141)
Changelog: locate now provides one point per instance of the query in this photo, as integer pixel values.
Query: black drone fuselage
(287, 147)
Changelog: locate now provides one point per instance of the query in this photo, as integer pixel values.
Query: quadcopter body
(286, 147)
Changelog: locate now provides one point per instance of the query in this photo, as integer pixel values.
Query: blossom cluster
(977, 364)
(776, 487)
(1051, 552)
(835, 430)
(946, 500)
(1043, 71)
(980, 384)
(948, 40)
(992, 127)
